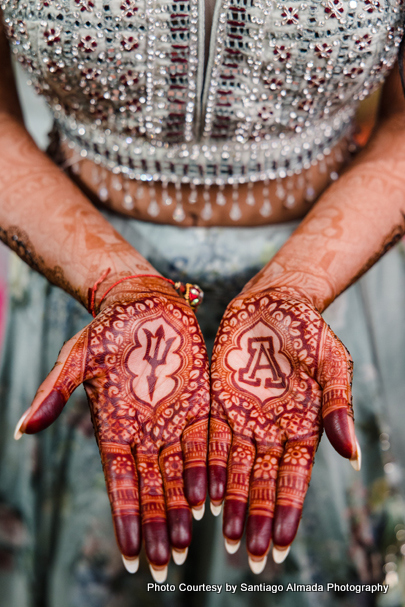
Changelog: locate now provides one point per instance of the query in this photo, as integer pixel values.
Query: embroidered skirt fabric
(57, 547)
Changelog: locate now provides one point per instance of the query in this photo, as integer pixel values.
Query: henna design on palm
(279, 375)
(145, 371)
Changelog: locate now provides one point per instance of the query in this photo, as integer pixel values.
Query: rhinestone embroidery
(124, 79)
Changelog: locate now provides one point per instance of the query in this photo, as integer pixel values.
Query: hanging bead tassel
(206, 212)
(250, 198)
(153, 208)
(178, 213)
(221, 200)
(102, 191)
(301, 182)
(338, 156)
(266, 208)
(310, 193)
(290, 198)
(75, 168)
(235, 213)
(95, 175)
(116, 184)
(128, 201)
(140, 192)
(166, 199)
(280, 191)
(192, 198)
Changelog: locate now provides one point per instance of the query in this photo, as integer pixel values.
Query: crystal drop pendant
(206, 213)
(221, 200)
(116, 184)
(310, 194)
(289, 201)
(166, 199)
(250, 199)
(103, 193)
(95, 175)
(266, 208)
(280, 192)
(339, 156)
(153, 208)
(128, 202)
(178, 213)
(75, 168)
(235, 213)
(140, 192)
(192, 198)
(322, 167)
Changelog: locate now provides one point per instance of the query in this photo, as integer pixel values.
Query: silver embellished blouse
(129, 85)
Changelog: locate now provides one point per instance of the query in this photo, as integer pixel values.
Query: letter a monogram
(153, 359)
(261, 357)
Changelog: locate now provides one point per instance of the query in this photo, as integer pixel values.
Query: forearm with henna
(354, 223)
(52, 226)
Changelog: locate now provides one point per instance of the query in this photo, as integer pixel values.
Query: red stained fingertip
(157, 545)
(49, 410)
(217, 483)
(195, 485)
(234, 519)
(339, 428)
(180, 527)
(128, 534)
(258, 535)
(285, 527)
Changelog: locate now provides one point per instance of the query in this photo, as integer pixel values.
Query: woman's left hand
(279, 375)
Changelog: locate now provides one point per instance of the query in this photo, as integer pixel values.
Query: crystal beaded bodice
(127, 83)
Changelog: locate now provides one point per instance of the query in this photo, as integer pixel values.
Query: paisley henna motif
(279, 375)
(144, 367)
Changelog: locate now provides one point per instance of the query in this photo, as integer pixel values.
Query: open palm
(279, 375)
(144, 368)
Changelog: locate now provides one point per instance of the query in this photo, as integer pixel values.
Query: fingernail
(159, 575)
(198, 513)
(231, 547)
(131, 565)
(356, 461)
(216, 510)
(280, 554)
(17, 432)
(257, 566)
(179, 556)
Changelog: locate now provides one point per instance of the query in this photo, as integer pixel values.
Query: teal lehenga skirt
(57, 546)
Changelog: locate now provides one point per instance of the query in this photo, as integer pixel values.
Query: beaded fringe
(286, 191)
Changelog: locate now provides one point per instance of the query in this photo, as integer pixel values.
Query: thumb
(337, 412)
(54, 392)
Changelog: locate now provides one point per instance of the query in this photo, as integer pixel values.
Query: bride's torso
(248, 130)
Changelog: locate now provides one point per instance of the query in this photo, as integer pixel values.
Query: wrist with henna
(144, 367)
(279, 376)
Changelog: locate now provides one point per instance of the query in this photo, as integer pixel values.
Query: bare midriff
(290, 198)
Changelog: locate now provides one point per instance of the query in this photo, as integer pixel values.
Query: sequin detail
(124, 80)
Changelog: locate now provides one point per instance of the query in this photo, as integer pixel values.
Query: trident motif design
(153, 359)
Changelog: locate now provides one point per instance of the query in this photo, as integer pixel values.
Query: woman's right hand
(144, 367)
